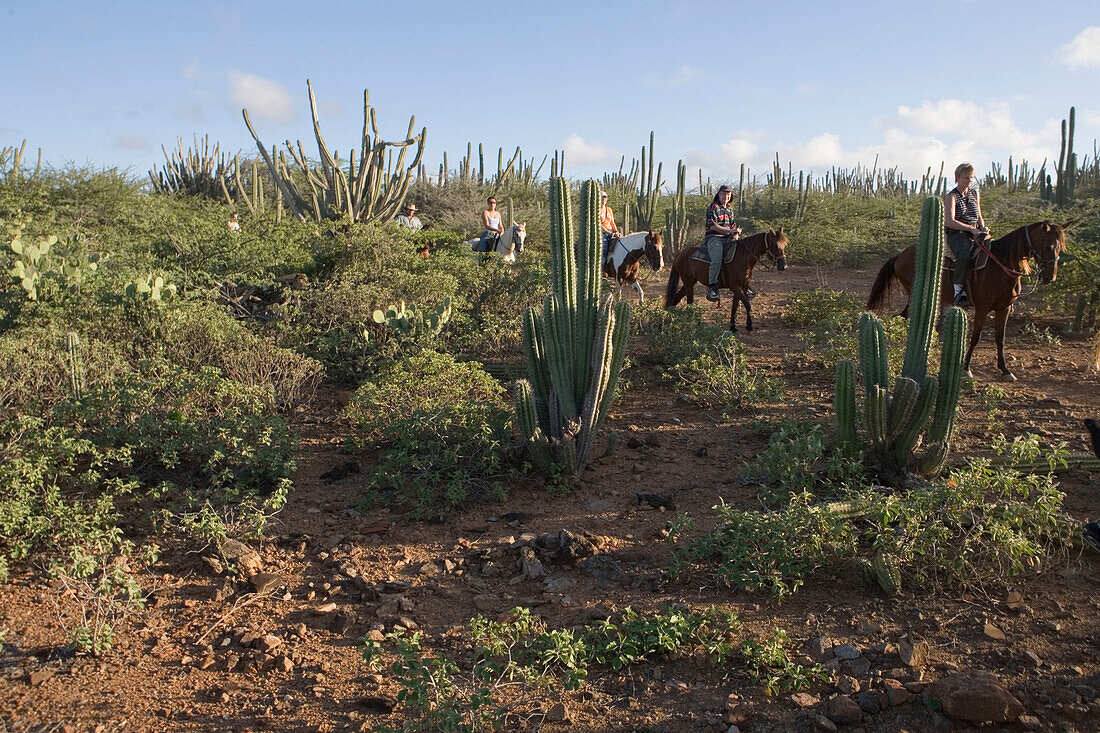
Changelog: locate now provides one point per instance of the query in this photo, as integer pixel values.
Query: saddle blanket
(729, 249)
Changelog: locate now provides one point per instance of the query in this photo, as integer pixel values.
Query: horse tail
(673, 285)
(881, 289)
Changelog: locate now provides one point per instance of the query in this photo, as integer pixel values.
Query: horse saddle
(979, 258)
(612, 244)
(729, 249)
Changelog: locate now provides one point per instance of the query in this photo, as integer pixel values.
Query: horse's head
(519, 235)
(1047, 242)
(654, 250)
(776, 243)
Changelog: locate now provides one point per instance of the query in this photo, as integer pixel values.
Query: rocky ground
(281, 651)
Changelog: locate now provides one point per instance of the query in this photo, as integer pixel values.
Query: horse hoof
(969, 374)
(1008, 377)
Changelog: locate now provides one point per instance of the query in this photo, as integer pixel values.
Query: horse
(508, 244)
(993, 287)
(625, 258)
(735, 275)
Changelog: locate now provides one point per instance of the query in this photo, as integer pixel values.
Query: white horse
(622, 262)
(508, 244)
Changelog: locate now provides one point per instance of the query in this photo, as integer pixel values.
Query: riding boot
(712, 292)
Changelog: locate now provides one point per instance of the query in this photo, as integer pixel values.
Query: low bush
(704, 363)
(443, 428)
(517, 662)
(830, 317)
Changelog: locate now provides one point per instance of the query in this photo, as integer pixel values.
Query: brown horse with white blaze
(994, 287)
(735, 275)
(626, 255)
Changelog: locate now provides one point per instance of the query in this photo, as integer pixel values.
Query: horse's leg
(748, 311)
(638, 286)
(979, 321)
(1000, 320)
(733, 313)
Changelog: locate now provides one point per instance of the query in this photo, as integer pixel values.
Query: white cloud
(130, 141)
(580, 153)
(990, 124)
(1090, 117)
(1083, 51)
(262, 97)
(683, 76)
(330, 108)
(191, 72)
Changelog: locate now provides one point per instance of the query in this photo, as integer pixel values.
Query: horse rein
(1000, 264)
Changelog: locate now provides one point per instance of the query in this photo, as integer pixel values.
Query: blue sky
(821, 83)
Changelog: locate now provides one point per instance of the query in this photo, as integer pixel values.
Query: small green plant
(149, 288)
(106, 591)
(990, 397)
(799, 464)
(518, 661)
(416, 324)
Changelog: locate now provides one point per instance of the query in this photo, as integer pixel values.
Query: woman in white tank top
(493, 226)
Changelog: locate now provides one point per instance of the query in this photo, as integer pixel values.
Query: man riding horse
(963, 222)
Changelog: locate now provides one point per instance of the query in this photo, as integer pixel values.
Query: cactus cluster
(45, 258)
(649, 190)
(920, 409)
(575, 345)
(373, 190)
(676, 218)
(150, 287)
(414, 322)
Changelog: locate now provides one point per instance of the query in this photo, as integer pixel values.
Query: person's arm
(485, 220)
(949, 216)
(981, 220)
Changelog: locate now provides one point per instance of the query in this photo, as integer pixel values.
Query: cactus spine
(575, 346)
(921, 406)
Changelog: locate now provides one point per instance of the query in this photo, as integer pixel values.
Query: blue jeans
(607, 236)
(959, 242)
(486, 237)
(715, 244)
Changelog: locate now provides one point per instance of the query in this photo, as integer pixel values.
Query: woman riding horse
(720, 229)
(963, 223)
(493, 225)
(994, 287)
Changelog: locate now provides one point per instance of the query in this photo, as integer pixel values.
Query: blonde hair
(963, 168)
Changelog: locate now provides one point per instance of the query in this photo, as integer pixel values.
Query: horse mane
(1009, 247)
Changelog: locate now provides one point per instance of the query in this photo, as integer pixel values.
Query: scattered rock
(603, 569)
(912, 655)
(325, 608)
(820, 648)
(268, 643)
(843, 710)
(264, 582)
(340, 623)
(557, 713)
(868, 702)
(39, 676)
(1014, 601)
(993, 632)
(1032, 659)
(530, 564)
(846, 651)
(847, 685)
(857, 667)
(976, 696)
(823, 723)
(516, 517)
(804, 700)
(238, 553)
(868, 627)
(214, 563)
(657, 501)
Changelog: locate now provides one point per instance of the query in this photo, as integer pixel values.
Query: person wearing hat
(607, 225)
(963, 223)
(409, 220)
(720, 229)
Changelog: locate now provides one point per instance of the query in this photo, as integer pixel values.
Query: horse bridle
(1035, 255)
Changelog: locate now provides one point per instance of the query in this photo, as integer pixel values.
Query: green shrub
(829, 318)
(443, 429)
(199, 334)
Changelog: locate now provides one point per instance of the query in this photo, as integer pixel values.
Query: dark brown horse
(735, 275)
(993, 288)
(624, 259)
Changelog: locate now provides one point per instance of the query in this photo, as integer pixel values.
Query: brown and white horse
(625, 258)
(508, 244)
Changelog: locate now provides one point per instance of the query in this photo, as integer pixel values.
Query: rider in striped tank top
(963, 222)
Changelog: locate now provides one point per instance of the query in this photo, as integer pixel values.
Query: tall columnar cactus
(676, 218)
(575, 346)
(1067, 165)
(648, 192)
(373, 191)
(921, 407)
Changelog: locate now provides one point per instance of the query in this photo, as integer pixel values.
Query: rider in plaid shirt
(720, 227)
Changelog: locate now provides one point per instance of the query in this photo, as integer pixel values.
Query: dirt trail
(341, 572)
